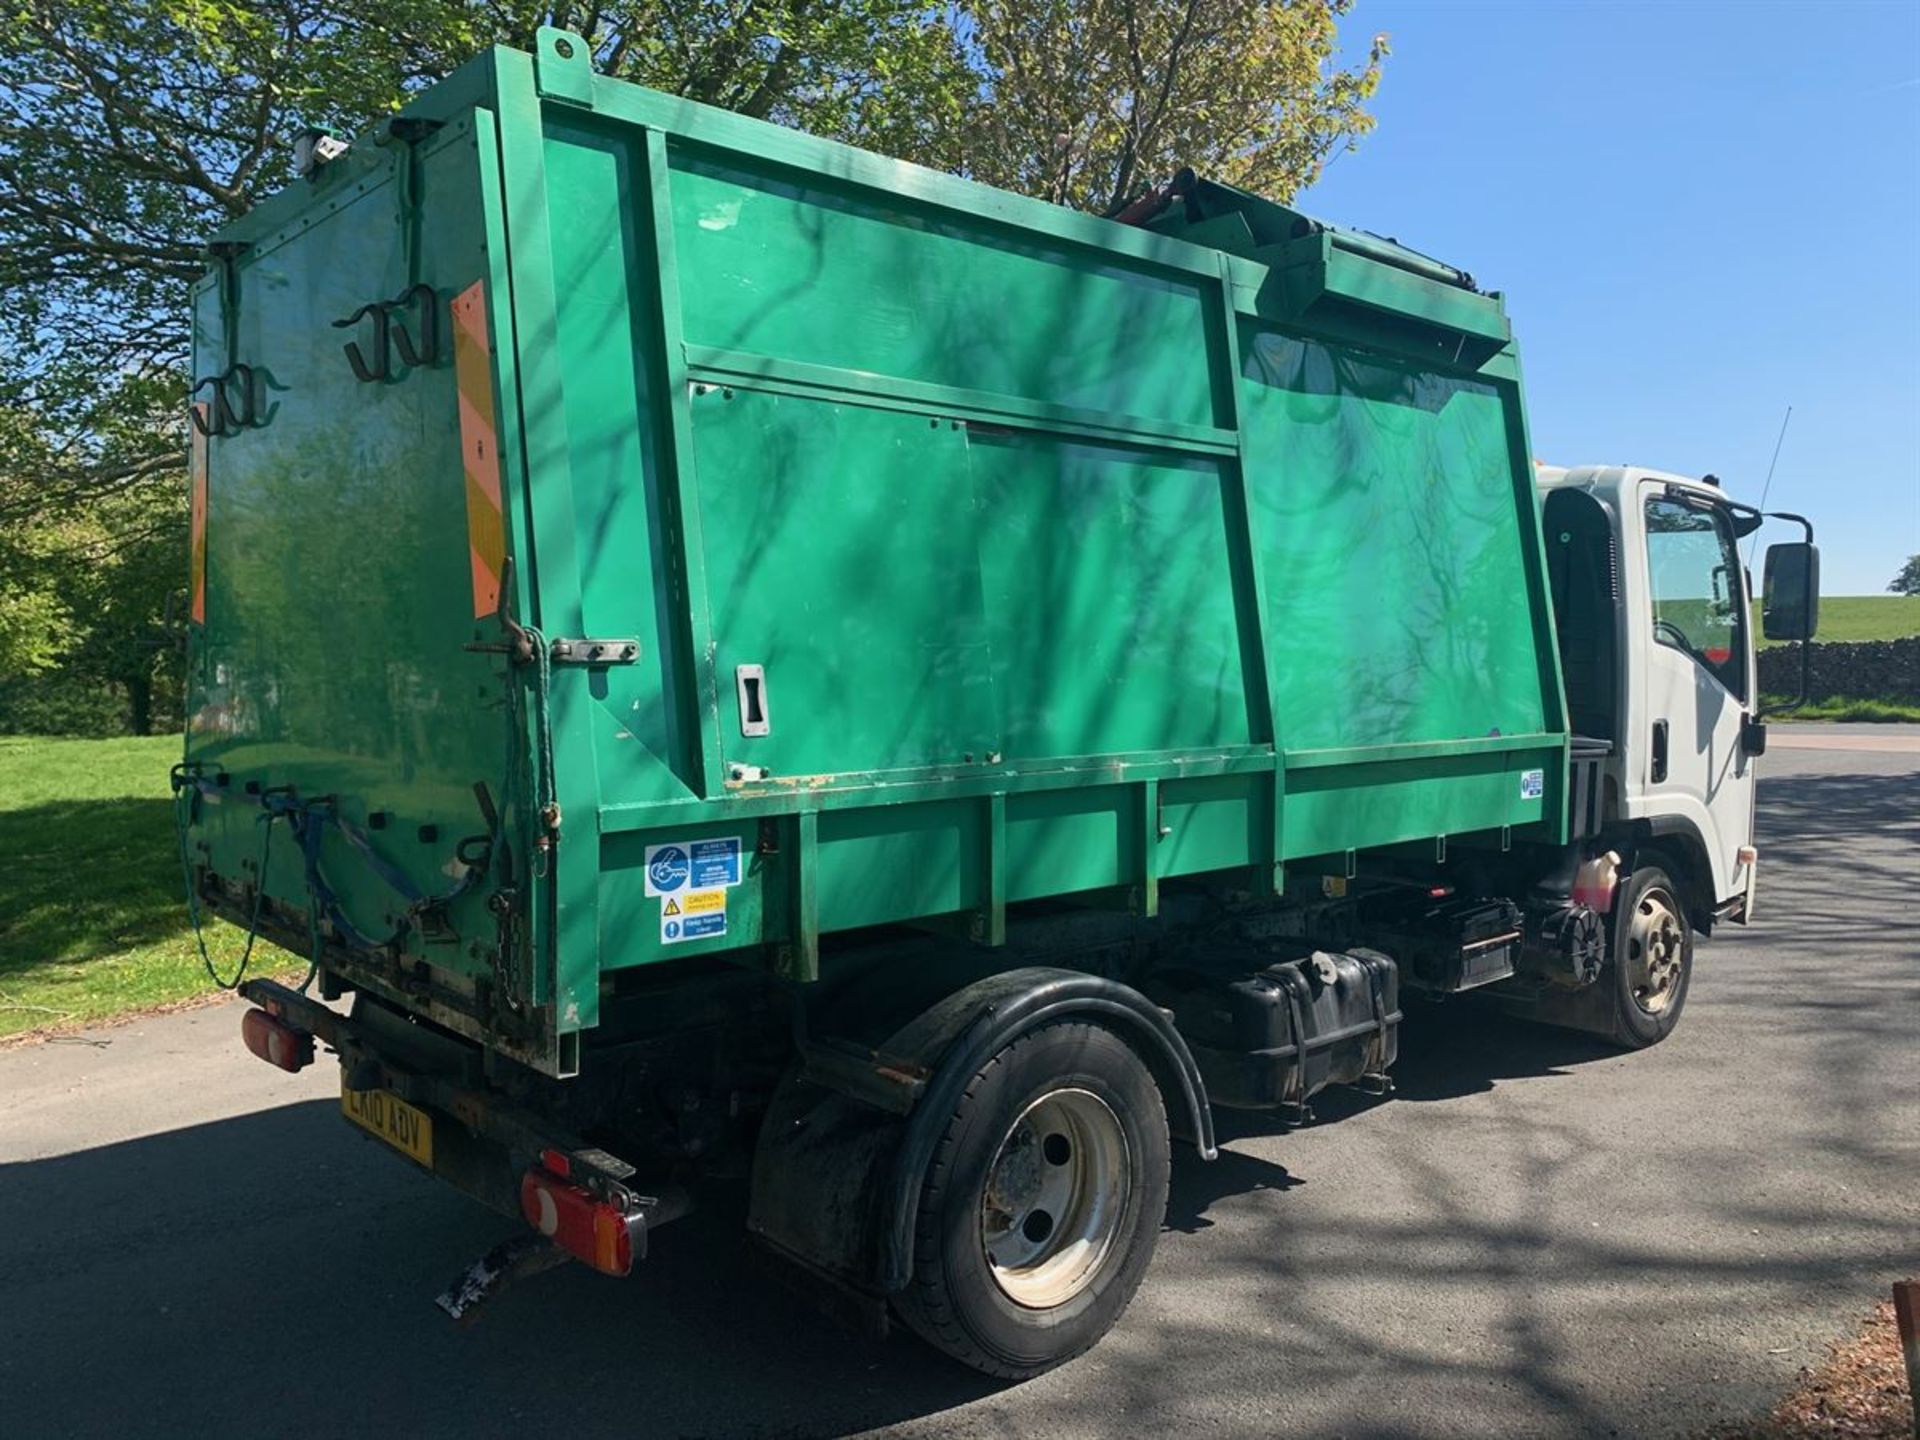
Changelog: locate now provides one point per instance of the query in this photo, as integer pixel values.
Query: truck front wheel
(1652, 958)
(1042, 1203)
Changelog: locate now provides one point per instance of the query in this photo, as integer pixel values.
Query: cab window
(1695, 574)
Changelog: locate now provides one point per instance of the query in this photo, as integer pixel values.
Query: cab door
(1697, 682)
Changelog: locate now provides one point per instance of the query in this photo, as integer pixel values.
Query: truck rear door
(350, 542)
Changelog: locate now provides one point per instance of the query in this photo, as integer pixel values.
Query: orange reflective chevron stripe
(197, 476)
(479, 447)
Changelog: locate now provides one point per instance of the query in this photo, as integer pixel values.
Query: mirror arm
(1806, 646)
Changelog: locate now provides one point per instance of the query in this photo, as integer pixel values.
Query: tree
(85, 569)
(32, 612)
(1085, 102)
(1907, 582)
(132, 130)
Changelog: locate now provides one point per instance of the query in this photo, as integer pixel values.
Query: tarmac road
(1538, 1237)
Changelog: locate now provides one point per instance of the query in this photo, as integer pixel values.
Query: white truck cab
(1654, 620)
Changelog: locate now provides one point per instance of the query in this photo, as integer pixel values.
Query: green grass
(1861, 617)
(1843, 707)
(93, 917)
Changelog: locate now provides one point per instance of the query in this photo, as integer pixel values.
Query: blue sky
(1700, 213)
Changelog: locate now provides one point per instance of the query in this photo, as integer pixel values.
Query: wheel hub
(1656, 947)
(1054, 1198)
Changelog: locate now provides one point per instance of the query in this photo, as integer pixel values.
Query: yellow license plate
(383, 1113)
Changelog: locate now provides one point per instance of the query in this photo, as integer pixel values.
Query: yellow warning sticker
(696, 915)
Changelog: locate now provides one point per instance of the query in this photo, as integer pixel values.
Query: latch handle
(751, 683)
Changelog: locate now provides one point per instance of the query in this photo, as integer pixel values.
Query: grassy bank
(93, 919)
(1844, 707)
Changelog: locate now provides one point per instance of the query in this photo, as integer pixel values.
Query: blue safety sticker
(1533, 784)
(715, 862)
(668, 867)
(680, 865)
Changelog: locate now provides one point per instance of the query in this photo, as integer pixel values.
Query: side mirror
(1790, 594)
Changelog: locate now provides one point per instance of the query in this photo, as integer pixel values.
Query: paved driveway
(1537, 1237)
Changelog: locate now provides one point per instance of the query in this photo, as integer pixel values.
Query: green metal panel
(1063, 841)
(1077, 558)
(805, 271)
(606, 318)
(339, 576)
(897, 862)
(841, 557)
(1394, 549)
(1215, 822)
(1112, 623)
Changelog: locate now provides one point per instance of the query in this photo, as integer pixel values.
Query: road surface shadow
(275, 1270)
(281, 1253)
(279, 1264)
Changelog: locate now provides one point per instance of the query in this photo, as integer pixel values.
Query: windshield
(1694, 572)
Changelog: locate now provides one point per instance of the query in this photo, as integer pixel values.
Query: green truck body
(746, 661)
(1074, 556)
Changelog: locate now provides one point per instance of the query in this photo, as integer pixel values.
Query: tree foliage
(132, 130)
(1907, 582)
(1085, 102)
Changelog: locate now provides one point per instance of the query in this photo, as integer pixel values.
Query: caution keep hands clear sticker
(694, 915)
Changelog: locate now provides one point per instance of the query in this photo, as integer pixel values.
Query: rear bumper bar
(483, 1143)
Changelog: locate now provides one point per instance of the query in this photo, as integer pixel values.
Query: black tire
(955, 1300)
(1644, 1011)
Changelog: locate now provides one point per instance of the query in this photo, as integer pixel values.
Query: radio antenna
(1754, 543)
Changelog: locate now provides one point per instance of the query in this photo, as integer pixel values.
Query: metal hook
(244, 416)
(423, 299)
(198, 416)
(380, 370)
(227, 418)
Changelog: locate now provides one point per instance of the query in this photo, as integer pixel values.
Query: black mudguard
(838, 1170)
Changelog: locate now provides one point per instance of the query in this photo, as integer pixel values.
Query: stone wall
(1862, 670)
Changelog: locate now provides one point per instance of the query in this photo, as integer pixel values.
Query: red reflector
(558, 1163)
(275, 1041)
(591, 1230)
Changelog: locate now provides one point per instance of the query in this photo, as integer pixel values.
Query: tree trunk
(140, 702)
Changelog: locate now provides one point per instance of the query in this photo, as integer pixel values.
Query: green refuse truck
(739, 660)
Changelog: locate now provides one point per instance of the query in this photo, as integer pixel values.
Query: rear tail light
(275, 1041)
(586, 1227)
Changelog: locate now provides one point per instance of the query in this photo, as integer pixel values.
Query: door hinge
(589, 650)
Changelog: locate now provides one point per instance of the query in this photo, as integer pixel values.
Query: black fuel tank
(1276, 1036)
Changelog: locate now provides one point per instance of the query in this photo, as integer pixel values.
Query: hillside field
(1862, 617)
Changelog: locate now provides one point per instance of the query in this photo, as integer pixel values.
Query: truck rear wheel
(1041, 1206)
(1652, 958)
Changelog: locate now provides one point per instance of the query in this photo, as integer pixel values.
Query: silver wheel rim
(1054, 1198)
(1656, 945)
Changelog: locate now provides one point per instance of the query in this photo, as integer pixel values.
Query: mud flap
(820, 1174)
